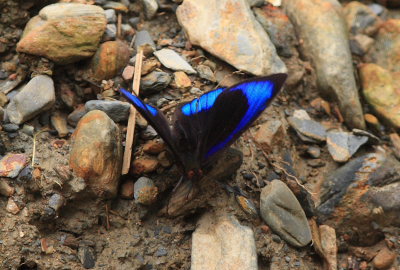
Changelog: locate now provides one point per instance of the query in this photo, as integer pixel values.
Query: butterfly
(204, 127)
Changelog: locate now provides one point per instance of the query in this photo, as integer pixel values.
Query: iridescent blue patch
(139, 103)
(204, 103)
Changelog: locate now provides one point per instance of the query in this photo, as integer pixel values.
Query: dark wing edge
(155, 118)
(258, 92)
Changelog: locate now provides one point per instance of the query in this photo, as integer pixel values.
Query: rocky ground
(314, 184)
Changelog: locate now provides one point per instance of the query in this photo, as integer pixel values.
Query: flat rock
(270, 135)
(342, 145)
(117, 110)
(12, 164)
(37, 96)
(235, 36)
(144, 41)
(281, 211)
(150, 8)
(320, 25)
(96, 153)
(154, 82)
(379, 89)
(64, 32)
(76, 115)
(309, 130)
(174, 61)
(360, 19)
(229, 245)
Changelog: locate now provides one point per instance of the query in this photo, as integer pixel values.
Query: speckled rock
(222, 38)
(110, 58)
(145, 192)
(96, 153)
(320, 25)
(37, 96)
(281, 211)
(117, 110)
(64, 32)
(342, 145)
(360, 18)
(154, 82)
(12, 164)
(379, 91)
(230, 245)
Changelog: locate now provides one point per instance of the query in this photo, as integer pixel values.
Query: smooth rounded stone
(96, 153)
(360, 19)
(206, 73)
(144, 165)
(6, 189)
(308, 130)
(235, 36)
(128, 73)
(270, 135)
(279, 29)
(343, 145)
(174, 61)
(118, 6)
(360, 44)
(379, 91)
(12, 164)
(149, 133)
(110, 58)
(10, 127)
(320, 25)
(59, 122)
(144, 41)
(117, 110)
(111, 16)
(281, 211)
(64, 32)
(37, 96)
(154, 82)
(145, 192)
(150, 8)
(229, 245)
(384, 259)
(154, 147)
(314, 152)
(76, 115)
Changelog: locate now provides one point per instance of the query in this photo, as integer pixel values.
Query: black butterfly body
(205, 126)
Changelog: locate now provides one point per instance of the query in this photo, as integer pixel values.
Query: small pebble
(314, 152)
(145, 192)
(10, 127)
(161, 251)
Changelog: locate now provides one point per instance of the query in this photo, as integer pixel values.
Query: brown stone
(127, 190)
(181, 81)
(128, 72)
(96, 153)
(6, 189)
(144, 165)
(270, 135)
(59, 122)
(12, 207)
(64, 32)
(149, 65)
(384, 259)
(68, 96)
(154, 147)
(164, 159)
(110, 58)
(328, 242)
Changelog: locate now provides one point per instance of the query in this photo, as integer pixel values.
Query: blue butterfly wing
(214, 121)
(155, 118)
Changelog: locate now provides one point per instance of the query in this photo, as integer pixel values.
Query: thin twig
(132, 114)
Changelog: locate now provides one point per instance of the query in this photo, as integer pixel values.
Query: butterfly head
(194, 174)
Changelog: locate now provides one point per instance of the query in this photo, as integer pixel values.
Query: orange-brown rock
(144, 165)
(64, 32)
(154, 147)
(384, 259)
(96, 153)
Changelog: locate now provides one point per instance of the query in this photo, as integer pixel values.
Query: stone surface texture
(64, 32)
(96, 153)
(222, 243)
(235, 35)
(323, 31)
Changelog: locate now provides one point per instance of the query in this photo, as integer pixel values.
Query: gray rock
(10, 127)
(76, 115)
(117, 110)
(154, 82)
(360, 19)
(308, 130)
(314, 151)
(161, 251)
(87, 257)
(111, 32)
(134, 22)
(360, 44)
(342, 145)
(111, 16)
(8, 85)
(205, 72)
(233, 36)
(230, 245)
(174, 61)
(143, 40)
(281, 211)
(56, 201)
(320, 25)
(37, 96)
(150, 8)
(148, 133)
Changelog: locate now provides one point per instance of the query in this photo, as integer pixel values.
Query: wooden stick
(119, 25)
(132, 114)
